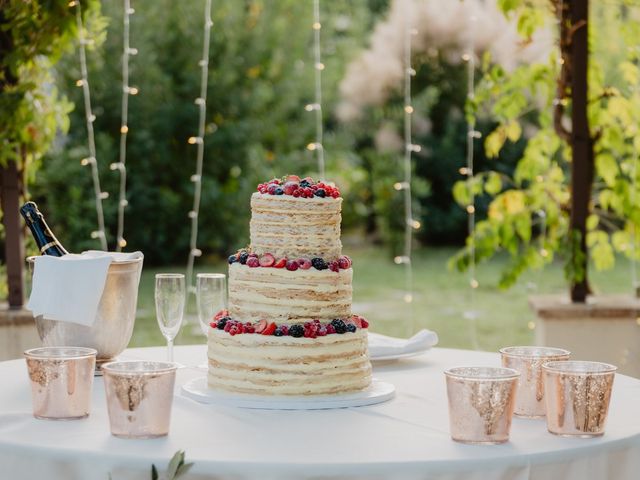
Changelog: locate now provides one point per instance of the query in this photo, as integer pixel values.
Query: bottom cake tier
(271, 365)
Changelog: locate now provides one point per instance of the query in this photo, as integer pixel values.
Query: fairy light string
(471, 314)
(90, 161)
(634, 229)
(410, 224)
(316, 107)
(121, 165)
(196, 178)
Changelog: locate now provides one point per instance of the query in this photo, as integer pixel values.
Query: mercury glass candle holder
(61, 381)
(139, 397)
(577, 397)
(528, 361)
(481, 402)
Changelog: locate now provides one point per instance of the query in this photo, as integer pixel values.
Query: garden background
(260, 79)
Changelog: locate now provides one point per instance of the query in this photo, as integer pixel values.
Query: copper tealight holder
(528, 361)
(481, 402)
(577, 397)
(61, 381)
(139, 397)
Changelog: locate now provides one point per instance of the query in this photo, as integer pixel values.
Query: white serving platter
(397, 356)
(378, 392)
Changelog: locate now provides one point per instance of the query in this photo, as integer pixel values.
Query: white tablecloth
(406, 438)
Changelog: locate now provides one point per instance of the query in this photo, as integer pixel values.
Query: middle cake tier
(284, 296)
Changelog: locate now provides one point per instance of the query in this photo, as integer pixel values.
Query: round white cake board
(378, 392)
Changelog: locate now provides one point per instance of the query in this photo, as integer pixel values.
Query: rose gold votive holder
(577, 397)
(528, 361)
(139, 397)
(481, 402)
(61, 381)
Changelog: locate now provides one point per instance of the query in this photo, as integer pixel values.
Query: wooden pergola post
(581, 143)
(10, 191)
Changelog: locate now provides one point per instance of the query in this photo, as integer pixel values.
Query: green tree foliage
(528, 215)
(439, 92)
(260, 79)
(33, 36)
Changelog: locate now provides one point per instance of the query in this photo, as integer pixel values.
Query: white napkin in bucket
(384, 346)
(69, 288)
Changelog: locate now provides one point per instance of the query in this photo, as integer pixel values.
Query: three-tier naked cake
(289, 329)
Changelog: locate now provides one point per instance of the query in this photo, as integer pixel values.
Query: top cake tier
(290, 226)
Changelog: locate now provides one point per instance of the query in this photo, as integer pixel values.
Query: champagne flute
(211, 293)
(170, 299)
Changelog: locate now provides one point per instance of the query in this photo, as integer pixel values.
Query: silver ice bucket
(111, 332)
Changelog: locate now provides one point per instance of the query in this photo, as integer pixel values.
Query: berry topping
(280, 263)
(333, 266)
(293, 186)
(267, 260)
(270, 329)
(319, 264)
(357, 320)
(310, 329)
(339, 325)
(296, 330)
(253, 262)
(304, 263)
(242, 258)
(292, 265)
(222, 323)
(232, 259)
(344, 262)
(290, 187)
(260, 326)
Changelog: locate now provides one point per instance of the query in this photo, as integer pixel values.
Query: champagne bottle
(46, 241)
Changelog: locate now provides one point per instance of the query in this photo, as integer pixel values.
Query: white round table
(405, 438)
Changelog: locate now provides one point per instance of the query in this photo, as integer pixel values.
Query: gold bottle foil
(481, 403)
(139, 398)
(61, 381)
(528, 361)
(577, 397)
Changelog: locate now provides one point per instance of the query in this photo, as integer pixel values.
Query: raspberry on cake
(289, 329)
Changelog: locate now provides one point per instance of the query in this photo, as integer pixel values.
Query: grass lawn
(441, 298)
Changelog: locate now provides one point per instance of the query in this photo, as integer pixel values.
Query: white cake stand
(378, 392)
